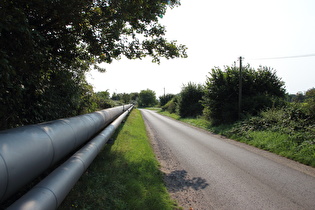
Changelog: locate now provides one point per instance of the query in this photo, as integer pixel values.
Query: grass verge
(125, 175)
(278, 143)
(274, 141)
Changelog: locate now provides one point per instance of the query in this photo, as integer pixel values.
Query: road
(229, 174)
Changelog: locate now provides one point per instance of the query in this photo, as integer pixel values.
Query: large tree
(147, 98)
(261, 89)
(45, 41)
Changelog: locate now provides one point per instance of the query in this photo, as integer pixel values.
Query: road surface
(226, 174)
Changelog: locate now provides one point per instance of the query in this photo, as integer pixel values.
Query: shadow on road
(179, 180)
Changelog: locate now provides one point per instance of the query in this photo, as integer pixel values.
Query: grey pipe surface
(26, 152)
(50, 192)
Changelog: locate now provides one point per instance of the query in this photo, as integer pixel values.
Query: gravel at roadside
(183, 188)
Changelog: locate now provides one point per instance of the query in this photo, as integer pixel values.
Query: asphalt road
(234, 175)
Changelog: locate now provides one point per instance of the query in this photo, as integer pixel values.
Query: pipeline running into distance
(28, 151)
(50, 192)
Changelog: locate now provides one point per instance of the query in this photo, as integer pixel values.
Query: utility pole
(164, 92)
(240, 89)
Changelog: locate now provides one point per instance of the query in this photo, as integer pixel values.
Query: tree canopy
(165, 98)
(48, 45)
(261, 89)
(190, 100)
(147, 98)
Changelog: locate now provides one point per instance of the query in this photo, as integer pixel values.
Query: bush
(288, 131)
(190, 100)
(310, 102)
(171, 106)
(261, 89)
(291, 120)
(166, 98)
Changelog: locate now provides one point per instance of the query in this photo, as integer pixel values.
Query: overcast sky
(274, 33)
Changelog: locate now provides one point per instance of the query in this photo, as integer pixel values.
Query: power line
(286, 57)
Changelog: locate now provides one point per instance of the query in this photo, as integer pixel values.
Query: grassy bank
(125, 175)
(267, 133)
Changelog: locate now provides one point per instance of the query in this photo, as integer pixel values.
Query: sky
(276, 33)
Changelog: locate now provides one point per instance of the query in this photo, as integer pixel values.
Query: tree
(261, 89)
(299, 97)
(116, 96)
(165, 98)
(126, 98)
(190, 100)
(134, 98)
(147, 98)
(46, 39)
(310, 102)
(103, 100)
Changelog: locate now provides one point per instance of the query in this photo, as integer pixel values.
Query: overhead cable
(286, 57)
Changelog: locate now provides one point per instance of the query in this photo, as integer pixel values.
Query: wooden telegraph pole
(240, 89)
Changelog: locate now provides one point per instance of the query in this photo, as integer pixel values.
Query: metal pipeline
(26, 152)
(50, 192)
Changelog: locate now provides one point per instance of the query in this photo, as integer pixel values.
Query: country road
(224, 174)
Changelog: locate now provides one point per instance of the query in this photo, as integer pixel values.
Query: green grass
(172, 115)
(199, 122)
(152, 108)
(125, 175)
(280, 144)
(272, 141)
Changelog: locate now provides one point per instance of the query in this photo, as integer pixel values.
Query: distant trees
(218, 99)
(125, 98)
(103, 100)
(298, 97)
(187, 103)
(147, 98)
(261, 89)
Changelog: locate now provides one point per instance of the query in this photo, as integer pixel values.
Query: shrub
(165, 98)
(261, 89)
(310, 102)
(291, 120)
(190, 100)
(171, 106)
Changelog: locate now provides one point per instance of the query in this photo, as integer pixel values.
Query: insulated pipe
(50, 192)
(26, 152)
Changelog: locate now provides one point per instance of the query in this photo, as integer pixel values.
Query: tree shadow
(179, 180)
